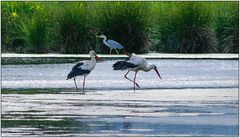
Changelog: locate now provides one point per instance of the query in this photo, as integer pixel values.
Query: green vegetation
(73, 30)
(65, 125)
(71, 27)
(35, 91)
(125, 22)
(227, 27)
(186, 29)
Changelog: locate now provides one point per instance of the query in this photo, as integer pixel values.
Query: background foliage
(71, 27)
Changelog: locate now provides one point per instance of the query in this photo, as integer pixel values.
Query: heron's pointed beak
(157, 73)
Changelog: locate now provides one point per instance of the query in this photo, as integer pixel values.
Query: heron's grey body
(111, 43)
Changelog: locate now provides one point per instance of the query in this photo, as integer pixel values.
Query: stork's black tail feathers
(70, 75)
(116, 66)
(122, 65)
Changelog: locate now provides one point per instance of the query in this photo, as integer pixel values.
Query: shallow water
(169, 112)
(175, 74)
(194, 98)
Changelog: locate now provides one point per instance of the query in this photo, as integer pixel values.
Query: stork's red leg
(130, 79)
(75, 84)
(135, 79)
(84, 82)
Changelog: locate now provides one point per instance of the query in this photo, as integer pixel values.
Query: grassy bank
(15, 59)
(71, 27)
(35, 91)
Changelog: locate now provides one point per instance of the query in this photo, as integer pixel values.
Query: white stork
(135, 63)
(83, 68)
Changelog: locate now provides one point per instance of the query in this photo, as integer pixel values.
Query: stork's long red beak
(157, 73)
(96, 57)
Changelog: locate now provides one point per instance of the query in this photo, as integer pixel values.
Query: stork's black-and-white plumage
(111, 43)
(83, 68)
(135, 63)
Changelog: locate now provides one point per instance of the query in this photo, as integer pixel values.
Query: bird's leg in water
(117, 51)
(130, 79)
(110, 51)
(84, 83)
(135, 80)
(75, 84)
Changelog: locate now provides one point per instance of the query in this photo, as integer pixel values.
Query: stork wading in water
(135, 63)
(83, 68)
(111, 44)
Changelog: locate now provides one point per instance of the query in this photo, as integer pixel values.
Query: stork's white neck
(148, 68)
(92, 57)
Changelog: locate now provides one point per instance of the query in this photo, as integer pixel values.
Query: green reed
(71, 27)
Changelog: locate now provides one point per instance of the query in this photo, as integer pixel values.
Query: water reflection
(188, 112)
(75, 127)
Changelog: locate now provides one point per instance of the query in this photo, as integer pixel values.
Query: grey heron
(111, 44)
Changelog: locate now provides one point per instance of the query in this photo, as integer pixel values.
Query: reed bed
(71, 27)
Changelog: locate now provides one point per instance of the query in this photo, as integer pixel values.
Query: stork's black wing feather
(77, 65)
(119, 62)
(121, 65)
(116, 64)
(76, 72)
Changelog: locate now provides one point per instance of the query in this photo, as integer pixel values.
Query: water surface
(175, 74)
(194, 98)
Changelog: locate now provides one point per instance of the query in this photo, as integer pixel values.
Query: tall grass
(71, 27)
(125, 22)
(227, 26)
(186, 30)
(10, 17)
(34, 34)
(27, 25)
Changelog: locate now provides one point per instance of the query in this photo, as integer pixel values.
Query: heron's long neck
(148, 68)
(105, 40)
